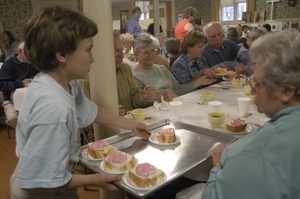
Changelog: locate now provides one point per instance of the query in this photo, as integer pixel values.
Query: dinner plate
(247, 130)
(102, 164)
(153, 140)
(126, 180)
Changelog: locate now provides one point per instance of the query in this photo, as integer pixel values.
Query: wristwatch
(218, 164)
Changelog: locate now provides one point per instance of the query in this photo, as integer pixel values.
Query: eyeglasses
(148, 52)
(255, 86)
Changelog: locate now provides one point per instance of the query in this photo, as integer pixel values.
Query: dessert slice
(146, 175)
(119, 161)
(100, 149)
(236, 125)
(166, 136)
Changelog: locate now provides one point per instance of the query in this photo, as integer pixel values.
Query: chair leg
(8, 131)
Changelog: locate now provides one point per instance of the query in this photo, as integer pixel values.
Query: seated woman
(191, 64)
(173, 49)
(148, 73)
(10, 46)
(159, 58)
(127, 40)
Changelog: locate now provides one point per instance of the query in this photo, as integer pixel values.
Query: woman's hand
(216, 152)
(203, 81)
(168, 95)
(149, 92)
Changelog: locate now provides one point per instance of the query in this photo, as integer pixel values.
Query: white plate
(247, 130)
(85, 154)
(102, 164)
(126, 180)
(221, 74)
(153, 140)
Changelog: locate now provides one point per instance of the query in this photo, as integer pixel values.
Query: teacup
(138, 114)
(237, 83)
(216, 119)
(208, 96)
(247, 89)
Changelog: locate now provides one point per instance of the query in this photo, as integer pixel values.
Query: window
(232, 10)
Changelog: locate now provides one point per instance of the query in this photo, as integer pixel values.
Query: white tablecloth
(195, 114)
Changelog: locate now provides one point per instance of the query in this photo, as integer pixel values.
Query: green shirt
(129, 94)
(162, 79)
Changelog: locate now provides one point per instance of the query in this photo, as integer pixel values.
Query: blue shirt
(133, 27)
(264, 164)
(184, 70)
(228, 52)
(47, 133)
(12, 73)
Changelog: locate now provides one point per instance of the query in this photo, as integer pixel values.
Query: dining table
(189, 156)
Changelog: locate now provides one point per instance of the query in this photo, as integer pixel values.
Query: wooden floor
(8, 162)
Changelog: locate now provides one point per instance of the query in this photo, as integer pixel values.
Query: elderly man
(220, 52)
(16, 72)
(132, 25)
(130, 96)
(243, 53)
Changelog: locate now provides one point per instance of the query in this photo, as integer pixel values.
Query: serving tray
(174, 160)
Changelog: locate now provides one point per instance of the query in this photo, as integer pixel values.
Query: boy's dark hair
(55, 29)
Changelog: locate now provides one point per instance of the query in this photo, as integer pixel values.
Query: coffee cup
(208, 95)
(175, 110)
(138, 114)
(216, 118)
(243, 105)
(237, 83)
(247, 89)
(214, 106)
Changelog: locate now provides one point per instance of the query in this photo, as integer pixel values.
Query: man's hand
(26, 82)
(122, 110)
(239, 68)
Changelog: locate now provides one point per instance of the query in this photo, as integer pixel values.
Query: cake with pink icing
(166, 136)
(119, 161)
(100, 149)
(145, 175)
(236, 125)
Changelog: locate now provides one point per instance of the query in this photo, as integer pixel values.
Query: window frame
(234, 4)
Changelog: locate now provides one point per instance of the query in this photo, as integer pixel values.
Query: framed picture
(124, 16)
(246, 17)
(259, 16)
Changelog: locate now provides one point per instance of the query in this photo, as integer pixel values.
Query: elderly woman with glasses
(264, 163)
(148, 73)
